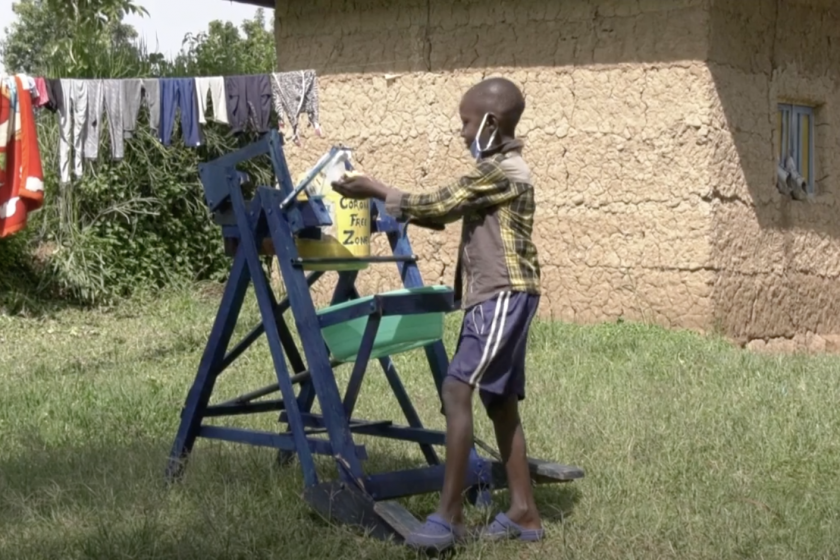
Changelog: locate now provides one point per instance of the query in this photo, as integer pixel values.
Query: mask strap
(490, 141)
(478, 135)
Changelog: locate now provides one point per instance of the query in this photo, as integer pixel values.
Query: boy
(500, 268)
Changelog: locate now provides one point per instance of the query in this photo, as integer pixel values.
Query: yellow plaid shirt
(496, 202)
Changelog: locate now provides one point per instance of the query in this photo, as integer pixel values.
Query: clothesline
(242, 102)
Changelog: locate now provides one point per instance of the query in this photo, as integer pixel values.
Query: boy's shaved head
(498, 96)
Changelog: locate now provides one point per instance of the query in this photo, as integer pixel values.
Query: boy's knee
(456, 393)
(502, 408)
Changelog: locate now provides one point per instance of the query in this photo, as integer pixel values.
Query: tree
(221, 49)
(78, 38)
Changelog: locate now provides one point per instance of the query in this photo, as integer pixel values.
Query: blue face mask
(475, 148)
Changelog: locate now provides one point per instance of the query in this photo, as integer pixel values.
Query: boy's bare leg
(457, 402)
(511, 440)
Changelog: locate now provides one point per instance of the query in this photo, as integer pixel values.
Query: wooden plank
(284, 441)
(338, 503)
(542, 472)
(554, 471)
(397, 517)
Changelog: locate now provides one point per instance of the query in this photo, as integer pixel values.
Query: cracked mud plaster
(649, 179)
(778, 260)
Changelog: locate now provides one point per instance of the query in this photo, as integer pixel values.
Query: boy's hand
(360, 187)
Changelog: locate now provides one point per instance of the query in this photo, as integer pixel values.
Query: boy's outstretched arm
(487, 185)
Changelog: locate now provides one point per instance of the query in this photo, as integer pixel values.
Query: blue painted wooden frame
(254, 221)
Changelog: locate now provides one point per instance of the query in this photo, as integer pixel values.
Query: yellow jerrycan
(349, 235)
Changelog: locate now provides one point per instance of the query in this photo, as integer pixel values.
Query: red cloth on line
(21, 175)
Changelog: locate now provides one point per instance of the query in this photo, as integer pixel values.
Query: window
(795, 138)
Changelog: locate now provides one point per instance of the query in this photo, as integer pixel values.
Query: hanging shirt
(215, 86)
(21, 176)
(295, 93)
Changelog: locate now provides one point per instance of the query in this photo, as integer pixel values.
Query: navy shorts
(490, 355)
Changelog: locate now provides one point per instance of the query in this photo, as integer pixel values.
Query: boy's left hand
(360, 187)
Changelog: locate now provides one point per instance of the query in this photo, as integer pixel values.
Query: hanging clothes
(72, 127)
(179, 93)
(21, 176)
(56, 96)
(215, 86)
(29, 85)
(95, 112)
(151, 93)
(113, 94)
(43, 95)
(248, 102)
(295, 93)
(132, 97)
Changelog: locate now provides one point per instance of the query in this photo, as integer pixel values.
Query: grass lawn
(693, 449)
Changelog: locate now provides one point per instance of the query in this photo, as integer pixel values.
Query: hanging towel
(95, 110)
(248, 102)
(179, 93)
(215, 86)
(113, 95)
(56, 95)
(151, 90)
(21, 176)
(28, 84)
(295, 93)
(72, 127)
(132, 97)
(43, 94)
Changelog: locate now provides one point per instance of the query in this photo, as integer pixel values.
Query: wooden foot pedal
(397, 517)
(542, 472)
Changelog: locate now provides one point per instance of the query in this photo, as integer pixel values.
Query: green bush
(138, 224)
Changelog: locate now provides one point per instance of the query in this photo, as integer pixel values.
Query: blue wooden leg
(314, 348)
(407, 407)
(296, 361)
(346, 287)
(410, 274)
(210, 365)
(343, 290)
(360, 366)
(267, 305)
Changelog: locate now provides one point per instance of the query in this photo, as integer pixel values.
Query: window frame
(789, 117)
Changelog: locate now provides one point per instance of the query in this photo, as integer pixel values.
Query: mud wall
(778, 260)
(618, 131)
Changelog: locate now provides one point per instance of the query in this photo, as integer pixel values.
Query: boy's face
(471, 118)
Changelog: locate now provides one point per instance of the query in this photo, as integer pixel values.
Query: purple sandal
(435, 534)
(503, 528)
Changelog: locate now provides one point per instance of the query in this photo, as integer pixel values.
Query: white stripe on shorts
(497, 329)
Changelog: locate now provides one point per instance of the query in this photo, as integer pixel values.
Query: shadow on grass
(557, 502)
(23, 298)
(110, 500)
